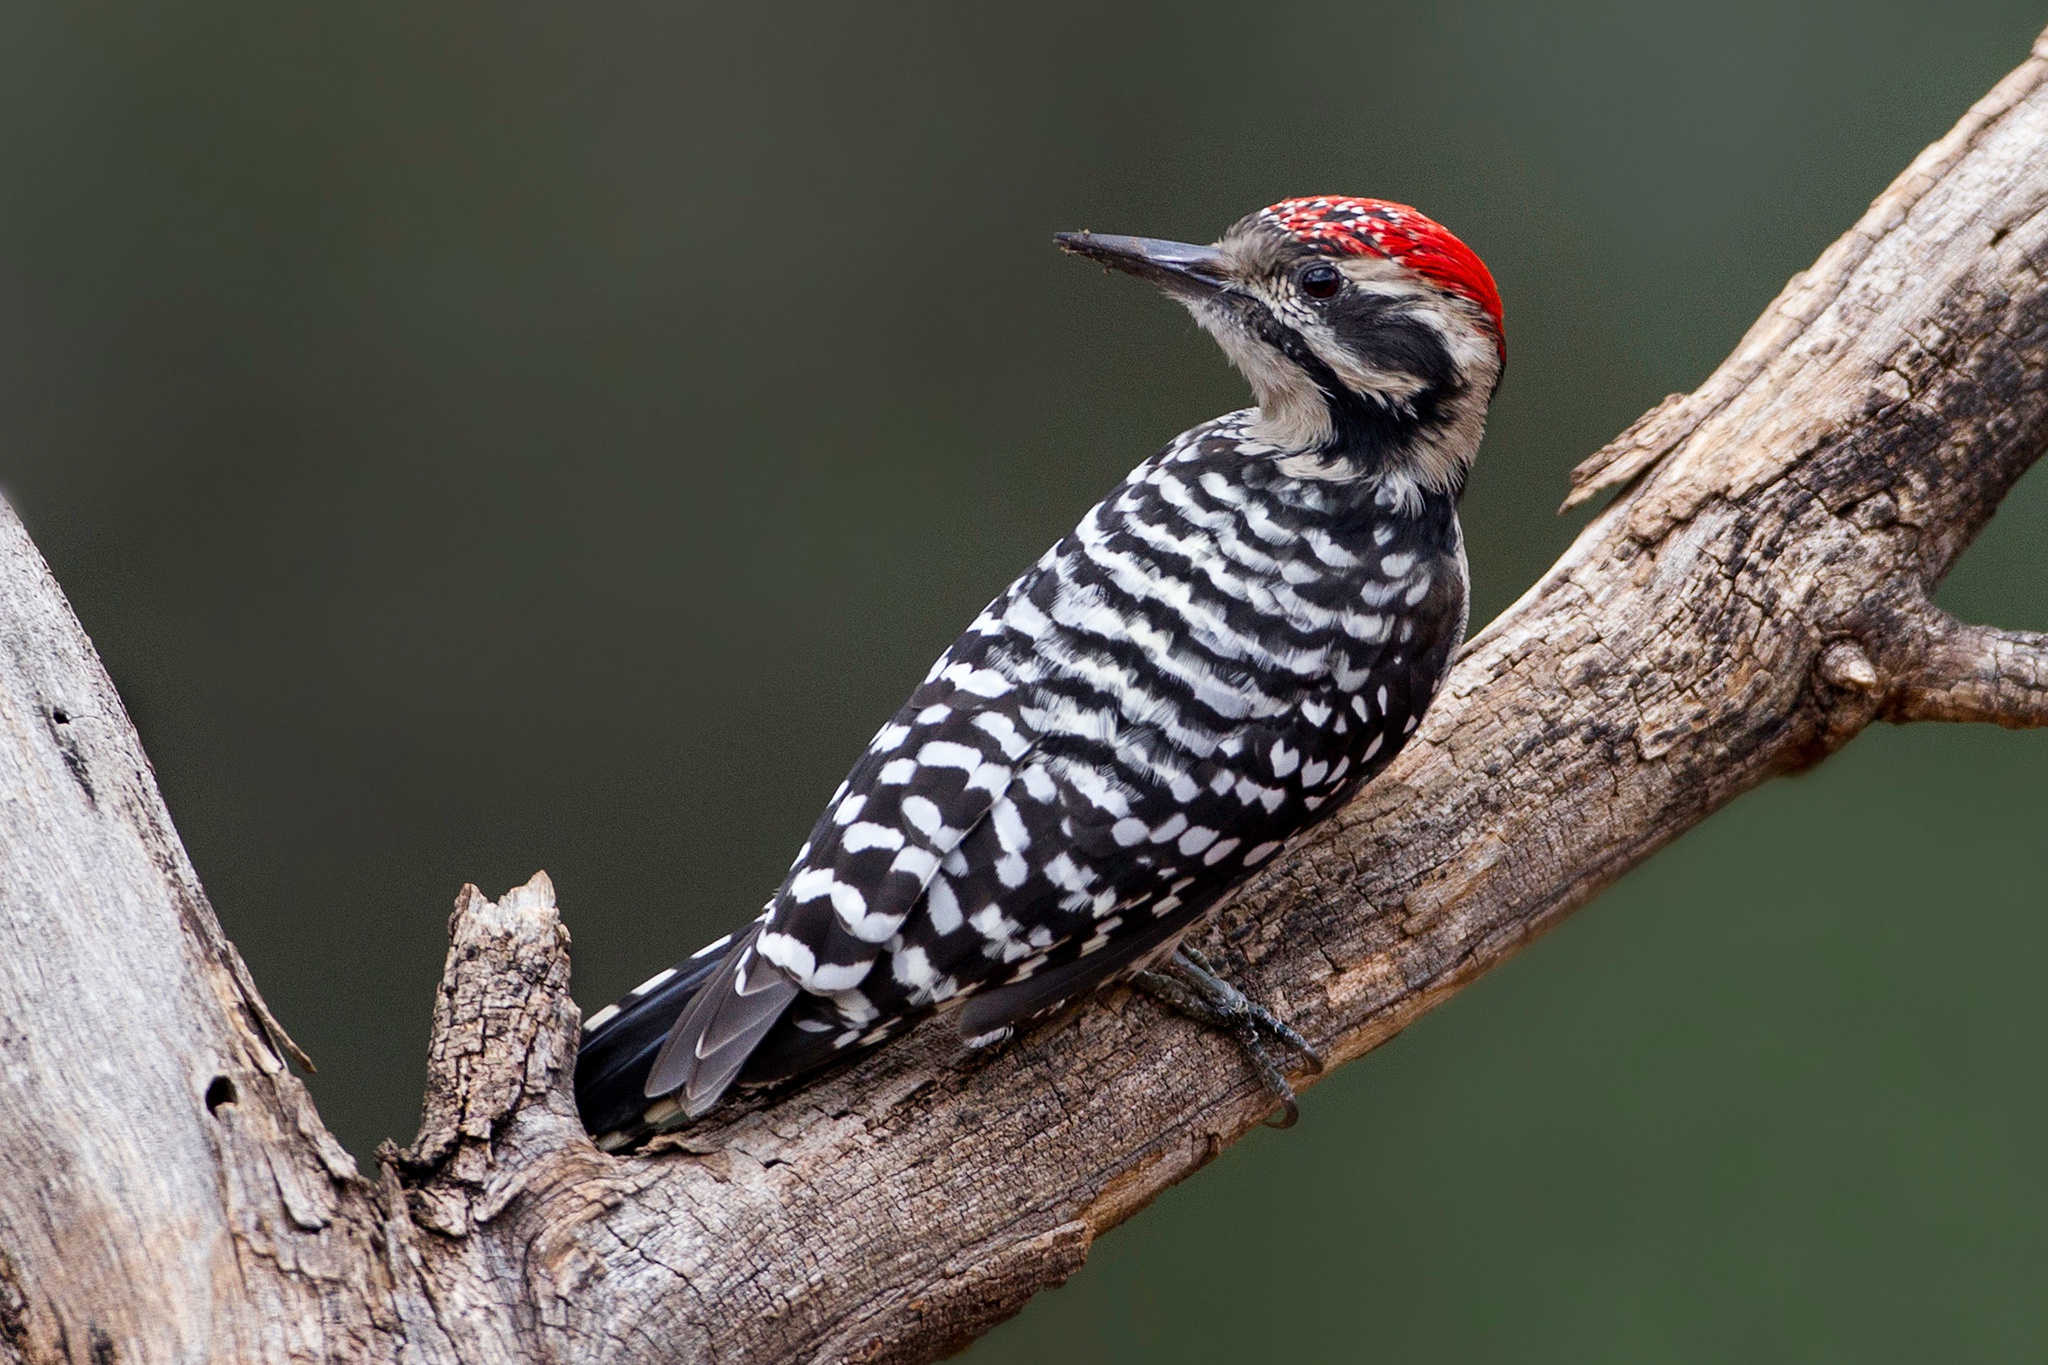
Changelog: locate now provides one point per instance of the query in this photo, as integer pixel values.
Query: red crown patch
(1353, 227)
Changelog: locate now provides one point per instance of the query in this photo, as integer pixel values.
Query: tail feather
(724, 1023)
(620, 1043)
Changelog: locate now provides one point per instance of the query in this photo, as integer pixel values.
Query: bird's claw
(1188, 985)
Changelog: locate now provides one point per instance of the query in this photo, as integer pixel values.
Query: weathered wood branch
(1756, 595)
(1944, 669)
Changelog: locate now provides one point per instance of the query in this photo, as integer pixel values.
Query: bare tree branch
(1755, 596)
(1947, 670)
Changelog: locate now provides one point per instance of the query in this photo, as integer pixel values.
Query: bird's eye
(1320, 281)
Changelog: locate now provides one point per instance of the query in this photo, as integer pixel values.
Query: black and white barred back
(1216, 656)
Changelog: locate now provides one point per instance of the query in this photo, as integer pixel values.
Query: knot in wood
(1846, 665)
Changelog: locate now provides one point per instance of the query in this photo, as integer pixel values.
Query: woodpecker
(1225, 648)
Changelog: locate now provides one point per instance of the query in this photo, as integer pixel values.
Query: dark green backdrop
(484, 437)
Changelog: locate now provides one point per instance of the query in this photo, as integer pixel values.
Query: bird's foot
(1188, 985)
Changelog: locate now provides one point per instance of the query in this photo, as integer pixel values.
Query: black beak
(1185, 271)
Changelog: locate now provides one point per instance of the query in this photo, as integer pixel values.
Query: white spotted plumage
(1239, 634)
(1148, 712)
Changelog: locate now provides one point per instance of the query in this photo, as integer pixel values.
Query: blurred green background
(482, 437)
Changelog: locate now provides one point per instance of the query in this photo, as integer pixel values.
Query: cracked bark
(1757, 593)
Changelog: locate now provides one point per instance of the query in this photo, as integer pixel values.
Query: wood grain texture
(1757, 593)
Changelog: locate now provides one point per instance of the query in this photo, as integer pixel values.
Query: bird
(1225, 648)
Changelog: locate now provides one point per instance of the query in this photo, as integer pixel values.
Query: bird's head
(1372, 337)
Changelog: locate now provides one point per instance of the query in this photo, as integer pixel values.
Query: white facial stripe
(1371, 272)
(1292, 414)
(1464, 329)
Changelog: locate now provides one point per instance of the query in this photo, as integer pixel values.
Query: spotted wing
(929, 778)
(1193, 718)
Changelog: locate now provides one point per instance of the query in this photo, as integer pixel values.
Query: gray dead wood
(1755, 596)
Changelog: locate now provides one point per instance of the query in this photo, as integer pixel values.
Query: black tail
(620, 1043)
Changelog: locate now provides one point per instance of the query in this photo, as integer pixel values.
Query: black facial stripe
(1375, 328)
(1387, 336)
(1294, 346)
